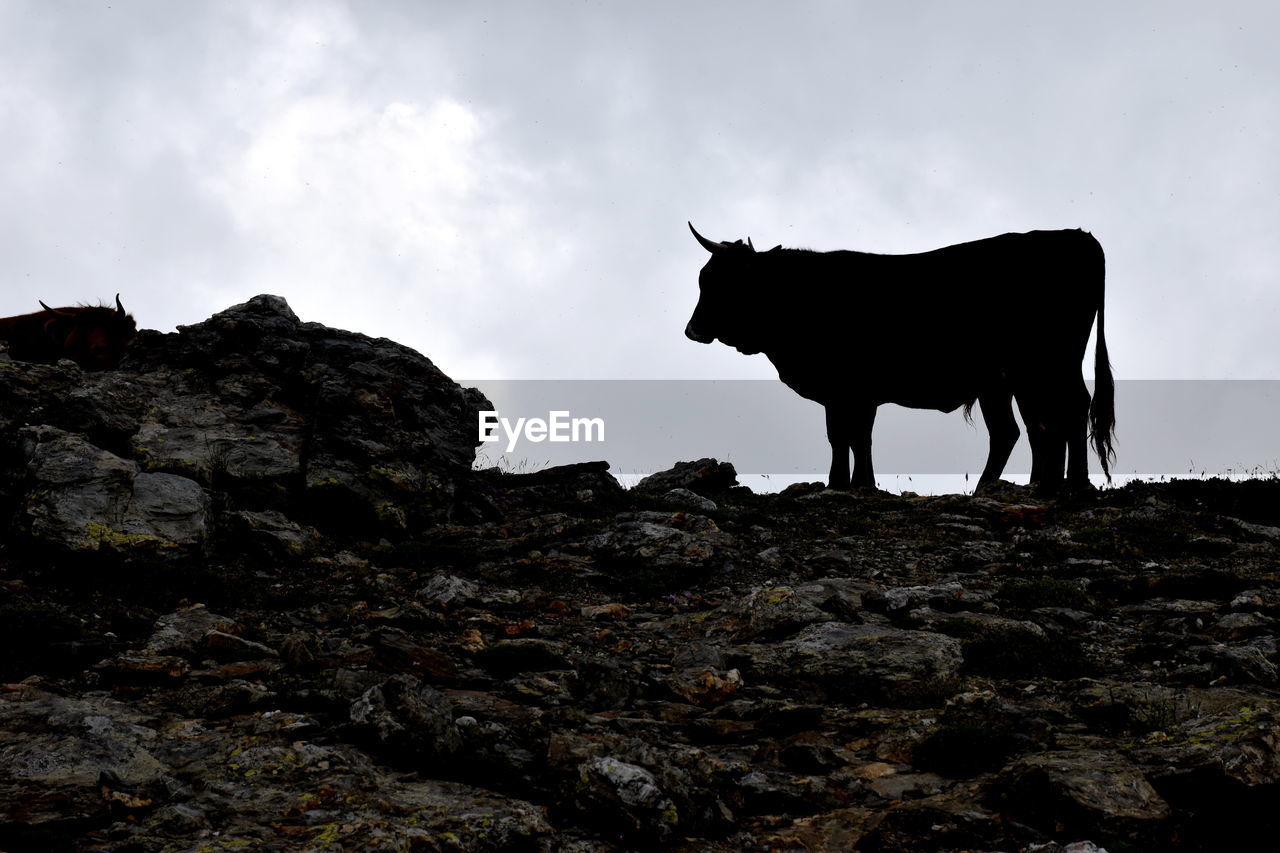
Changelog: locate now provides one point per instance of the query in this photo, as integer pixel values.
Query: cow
(988, 322)
(93, 336)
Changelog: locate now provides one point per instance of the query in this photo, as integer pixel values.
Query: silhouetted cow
(93, 336)
(988, 321)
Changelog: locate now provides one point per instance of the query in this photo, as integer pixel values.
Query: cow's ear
(58, 326)
(776, 248)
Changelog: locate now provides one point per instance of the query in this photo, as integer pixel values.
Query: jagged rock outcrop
(251, 425)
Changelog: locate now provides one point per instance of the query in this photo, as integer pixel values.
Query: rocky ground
(252, 598)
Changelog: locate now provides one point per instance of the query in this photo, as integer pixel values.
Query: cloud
(506, 189)
(407, 217)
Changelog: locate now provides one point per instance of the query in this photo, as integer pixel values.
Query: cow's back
(929, 329)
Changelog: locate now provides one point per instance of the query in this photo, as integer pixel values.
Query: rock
(864, 661)
(276, 535)
(183, 631)
(449, 591)
(168, 507)
(1233, 748)
(706, 477)
(198, 437)
(1263, 531)
(250, 407)
(464, 817)
(625, 800)
(526, 654)
(770, 612)
(605, 683)
(1073, 847)
(399, 653)
(408, 720)
(1090, 793)
(661, 541)
(936, 822)
(580, 483)
(946, 596)
(706, 687)
(612, 610)
(1234, 626)
(1252, 661)
(86, 499)
(229, 647)
(829, 832)
(143, 668)
(56, 753)
(697, 501)
(489, 747)
(79, 490)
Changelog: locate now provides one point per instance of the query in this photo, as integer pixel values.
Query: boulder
(83, 498)
(706, 477)
(626, 799)
(408, 719)
(864, 661)
(660, 540)
(1086, 792)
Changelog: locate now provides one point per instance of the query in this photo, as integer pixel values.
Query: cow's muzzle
(694, 335)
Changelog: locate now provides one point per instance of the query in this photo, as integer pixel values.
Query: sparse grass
(484, 461)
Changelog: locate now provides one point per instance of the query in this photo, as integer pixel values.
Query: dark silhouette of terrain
(252, 596)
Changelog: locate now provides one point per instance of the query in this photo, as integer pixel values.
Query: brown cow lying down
(93, 336)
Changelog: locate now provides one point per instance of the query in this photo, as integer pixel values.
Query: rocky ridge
(253, 597)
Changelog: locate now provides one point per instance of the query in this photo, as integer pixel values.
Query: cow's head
(93, 336)
(731, 301)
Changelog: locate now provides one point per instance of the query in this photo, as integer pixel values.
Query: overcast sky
(504, 186)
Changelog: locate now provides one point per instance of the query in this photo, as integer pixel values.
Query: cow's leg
(1039, 460)
(1077, 422)
(863, 417)
(1050, 410)
(1032, 410)
(997, 413)
(849, 428)
(840, 438)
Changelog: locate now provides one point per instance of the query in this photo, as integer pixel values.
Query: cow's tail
(1102, 410)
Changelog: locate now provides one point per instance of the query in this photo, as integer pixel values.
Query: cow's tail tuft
(1102, 410)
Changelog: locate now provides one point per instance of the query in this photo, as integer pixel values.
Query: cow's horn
(709, 245)
(119, 307)
(54, 311)
(751, 245)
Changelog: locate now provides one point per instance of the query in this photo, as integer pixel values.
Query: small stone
(685, 496)
(626, 799)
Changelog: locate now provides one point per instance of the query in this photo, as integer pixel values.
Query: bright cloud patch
(406, 206)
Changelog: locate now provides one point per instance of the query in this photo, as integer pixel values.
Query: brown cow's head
(93, 336)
